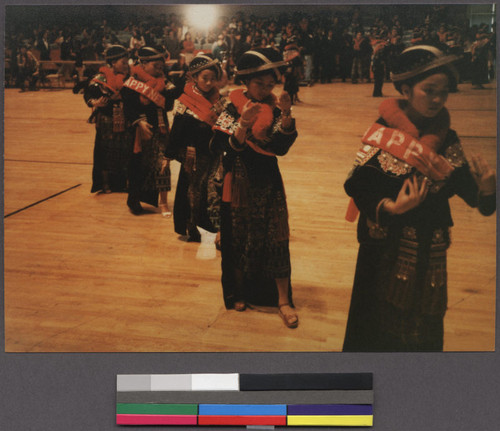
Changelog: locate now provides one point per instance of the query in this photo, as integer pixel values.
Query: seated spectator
(136, 42)
(188, 47)
(27, 69)
(442, 33)
(220, 48)
(417, 36)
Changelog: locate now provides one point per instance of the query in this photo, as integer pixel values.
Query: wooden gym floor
(82, 274)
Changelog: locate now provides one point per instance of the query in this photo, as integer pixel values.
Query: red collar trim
(200, 104)
(265, 118)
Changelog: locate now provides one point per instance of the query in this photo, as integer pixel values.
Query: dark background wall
(50, 15)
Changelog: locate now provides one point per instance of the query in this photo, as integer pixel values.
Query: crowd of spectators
(344, 46)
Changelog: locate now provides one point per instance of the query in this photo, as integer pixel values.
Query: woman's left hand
(285, 102)
(409, 197)
(484, 175)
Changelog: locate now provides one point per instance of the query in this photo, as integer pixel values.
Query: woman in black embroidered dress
(112, 146)
(252, 131)
(195, 114)
(148, 95)
(411, 164)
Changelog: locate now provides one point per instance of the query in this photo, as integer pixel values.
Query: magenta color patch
(156, 420)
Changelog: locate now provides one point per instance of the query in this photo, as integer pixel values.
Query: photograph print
(250, 178)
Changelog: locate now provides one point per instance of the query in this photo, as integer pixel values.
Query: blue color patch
(242, 409)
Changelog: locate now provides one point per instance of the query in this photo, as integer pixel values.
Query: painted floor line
(49, 162)
(40, 201)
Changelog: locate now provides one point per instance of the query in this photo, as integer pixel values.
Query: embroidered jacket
(136, 109)
(189, 130)
(377, 175)
(259, 166)
(97, 88)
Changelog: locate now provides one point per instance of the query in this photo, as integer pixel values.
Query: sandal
(165, 211)
(194, 235)
(291, 320)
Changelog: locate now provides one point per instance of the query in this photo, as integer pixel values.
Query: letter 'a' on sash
(408, 149)
(146, 91)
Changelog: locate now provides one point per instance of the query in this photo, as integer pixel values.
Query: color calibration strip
(316, 399)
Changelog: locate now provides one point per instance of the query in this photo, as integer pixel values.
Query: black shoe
(194, 236)
(135, 207)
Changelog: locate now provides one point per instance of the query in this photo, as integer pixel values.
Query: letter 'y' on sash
(408, 149)
(146, 91)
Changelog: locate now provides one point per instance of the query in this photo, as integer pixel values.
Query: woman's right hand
(145, 130)
(249, 112)
(409, 197)
(484, 175)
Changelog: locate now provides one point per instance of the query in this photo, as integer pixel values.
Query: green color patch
(156, 409)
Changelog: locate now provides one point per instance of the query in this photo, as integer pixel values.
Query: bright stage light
(201, 17)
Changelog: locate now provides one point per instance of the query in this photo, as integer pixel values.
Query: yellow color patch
(337, 420)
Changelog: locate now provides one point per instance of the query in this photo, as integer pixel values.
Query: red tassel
(161, 122)
(239, 189)
(226, 189)
(352, 211)
(137, 141)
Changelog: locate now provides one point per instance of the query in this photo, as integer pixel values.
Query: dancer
(196, 113)
(112, 140)
(253, 129)
(148, 96)
(410, 165)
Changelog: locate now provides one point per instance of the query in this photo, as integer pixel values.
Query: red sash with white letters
(145, 90)
(405, 147)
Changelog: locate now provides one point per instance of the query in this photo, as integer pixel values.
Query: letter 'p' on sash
(408, 149)
(146, 91)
